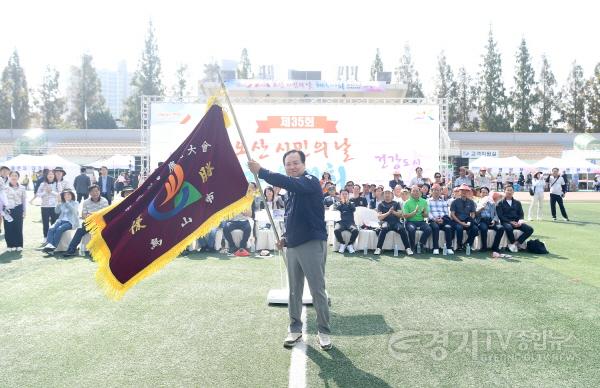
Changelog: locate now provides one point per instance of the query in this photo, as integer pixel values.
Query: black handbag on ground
(536, 246)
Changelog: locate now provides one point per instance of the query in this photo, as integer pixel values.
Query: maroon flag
(198, 186)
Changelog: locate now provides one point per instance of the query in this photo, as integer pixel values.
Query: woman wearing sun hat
(68, 218)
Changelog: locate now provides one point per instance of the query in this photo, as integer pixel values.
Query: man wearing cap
(462, 212)
(390, 214)
(106, 184)
(463, 178)
(397, 180)
(483, 179)
(416, 211)
(439, 219)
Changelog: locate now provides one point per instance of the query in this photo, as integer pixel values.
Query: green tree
(13, 91)
(50, 104)
(211, 71)
(377, 66)
(244, 70)
(523, 96)
(466, 104)
(446, 88)
(405, 73)
(572, 97)
(85, 97)
(493, 102)
(180, 88)
(545, 98)
(101, 120)
(593, 100)
(146, 80)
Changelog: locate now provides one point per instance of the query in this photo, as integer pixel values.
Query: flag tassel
(113, 288)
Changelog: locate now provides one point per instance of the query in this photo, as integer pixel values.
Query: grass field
(419, 321)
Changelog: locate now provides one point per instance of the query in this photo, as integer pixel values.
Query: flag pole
(262, 194)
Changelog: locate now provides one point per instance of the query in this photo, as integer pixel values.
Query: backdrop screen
(365, 143)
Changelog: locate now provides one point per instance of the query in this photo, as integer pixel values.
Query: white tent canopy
(116, 162)
(25, 164)
(571, 164)
(511, 162)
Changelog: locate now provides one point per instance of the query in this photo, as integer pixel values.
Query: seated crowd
(59, 203)
(465, 207)
(431, 207)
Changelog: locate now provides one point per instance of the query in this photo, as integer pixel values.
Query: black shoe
(69, 254)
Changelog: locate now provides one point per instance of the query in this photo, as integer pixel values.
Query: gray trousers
(308, 260)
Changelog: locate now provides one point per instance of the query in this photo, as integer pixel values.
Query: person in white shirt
(483, 179)
(558, 189)
(419, 179)
(537, 200)
(16, 201)
(397, 194)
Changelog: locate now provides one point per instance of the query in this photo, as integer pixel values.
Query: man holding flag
(306, 240)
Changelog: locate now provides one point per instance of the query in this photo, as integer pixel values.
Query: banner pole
(262, 194)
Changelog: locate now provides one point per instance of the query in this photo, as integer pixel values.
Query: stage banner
(365, 143)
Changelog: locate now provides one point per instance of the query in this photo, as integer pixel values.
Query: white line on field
(298, 359)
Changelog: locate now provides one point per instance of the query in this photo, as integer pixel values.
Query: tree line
(476, 102)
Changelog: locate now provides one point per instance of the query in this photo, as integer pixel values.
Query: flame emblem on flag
(178, 192)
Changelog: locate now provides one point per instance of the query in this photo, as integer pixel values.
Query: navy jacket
(110, 185)
(346, 213)
(508, 213)
(304, 212)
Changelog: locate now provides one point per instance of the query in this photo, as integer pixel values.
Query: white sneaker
(450, 251)
(291, 339)
(377, 251)
(19, 249)
(324, 341)
(49, 246)
(436, 251)
(513, 248)
(410, 252)
(351, 248)
(342, 248)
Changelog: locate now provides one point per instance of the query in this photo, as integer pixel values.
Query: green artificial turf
(203, 321)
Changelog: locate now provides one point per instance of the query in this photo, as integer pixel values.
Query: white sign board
(359, 142)
(472, 154)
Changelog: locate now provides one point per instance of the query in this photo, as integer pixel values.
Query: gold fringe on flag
(214, 100)
(101, 253)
